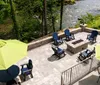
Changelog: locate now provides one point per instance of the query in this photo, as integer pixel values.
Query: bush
(69, 1)
(30, 30)
(4, 11)
(90, 20)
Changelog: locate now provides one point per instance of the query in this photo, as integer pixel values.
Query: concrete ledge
(90, 30)
(84, 28)
(48, 39)
(39, 42)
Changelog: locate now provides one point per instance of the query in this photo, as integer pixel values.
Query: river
(73, 12)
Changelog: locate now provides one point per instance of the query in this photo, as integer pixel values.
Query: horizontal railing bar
(77, 64)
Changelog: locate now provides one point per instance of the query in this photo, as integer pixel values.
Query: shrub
(91, 21)
(30, 30)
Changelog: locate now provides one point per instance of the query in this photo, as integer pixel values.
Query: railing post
(70, 76)
(62, 82)
(91, 64)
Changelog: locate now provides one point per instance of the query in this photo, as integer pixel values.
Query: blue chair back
(55, 36)
(67, 32)
(94, 33)
(30, 65)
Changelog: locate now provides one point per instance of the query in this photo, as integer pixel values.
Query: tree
(15, 27)
(45, 16)
(7, 10)
(33, 18)
(53, 14)
(50, 6)
(29, 16)
(61, 14)
(4, 11)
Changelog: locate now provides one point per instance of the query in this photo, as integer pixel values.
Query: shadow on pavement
(92, 80)
(53, 58)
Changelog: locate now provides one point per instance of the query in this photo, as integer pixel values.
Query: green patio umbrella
(11, 51)
(97, 49)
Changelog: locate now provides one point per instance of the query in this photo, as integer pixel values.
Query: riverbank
(75, 11)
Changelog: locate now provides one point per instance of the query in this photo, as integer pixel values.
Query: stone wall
(49, 39)
(84, 28)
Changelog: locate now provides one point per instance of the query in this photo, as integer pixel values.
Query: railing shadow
(91, 80)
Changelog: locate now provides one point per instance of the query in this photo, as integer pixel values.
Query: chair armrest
(23, 65)
(72, 33)
(60, 37)
(88, 36)
(80, 54)
(29, 70)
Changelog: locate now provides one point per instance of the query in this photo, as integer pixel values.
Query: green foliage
(69, 1)
(29, 15)
(72, 1)
(52, 13)
(91, 21)
(30, 30)
(28, 8)
(4, 11)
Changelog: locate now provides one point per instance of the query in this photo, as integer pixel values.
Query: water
(82, 7)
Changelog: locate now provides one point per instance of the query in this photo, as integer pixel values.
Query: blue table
(9, 74)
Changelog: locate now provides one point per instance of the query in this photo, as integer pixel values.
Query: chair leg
(24, 77)
(58, 55)
(31, 75)
(19, 83)
(98, 79)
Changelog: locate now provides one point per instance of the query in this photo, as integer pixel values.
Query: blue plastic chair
(57, 40)
(87, 53)
(92, 37)
(27, 70)
(68, 35)
(58, 51)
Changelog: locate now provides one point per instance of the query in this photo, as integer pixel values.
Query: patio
(47, 70)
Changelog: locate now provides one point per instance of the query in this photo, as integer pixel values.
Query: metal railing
(75, 73)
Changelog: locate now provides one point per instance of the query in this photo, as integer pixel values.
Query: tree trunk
(42, 25)
(52, 17)
(15, 27)
(61, 14)
(53, 24)
(45, 16)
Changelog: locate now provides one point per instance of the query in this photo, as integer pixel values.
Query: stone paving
(46, 68)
